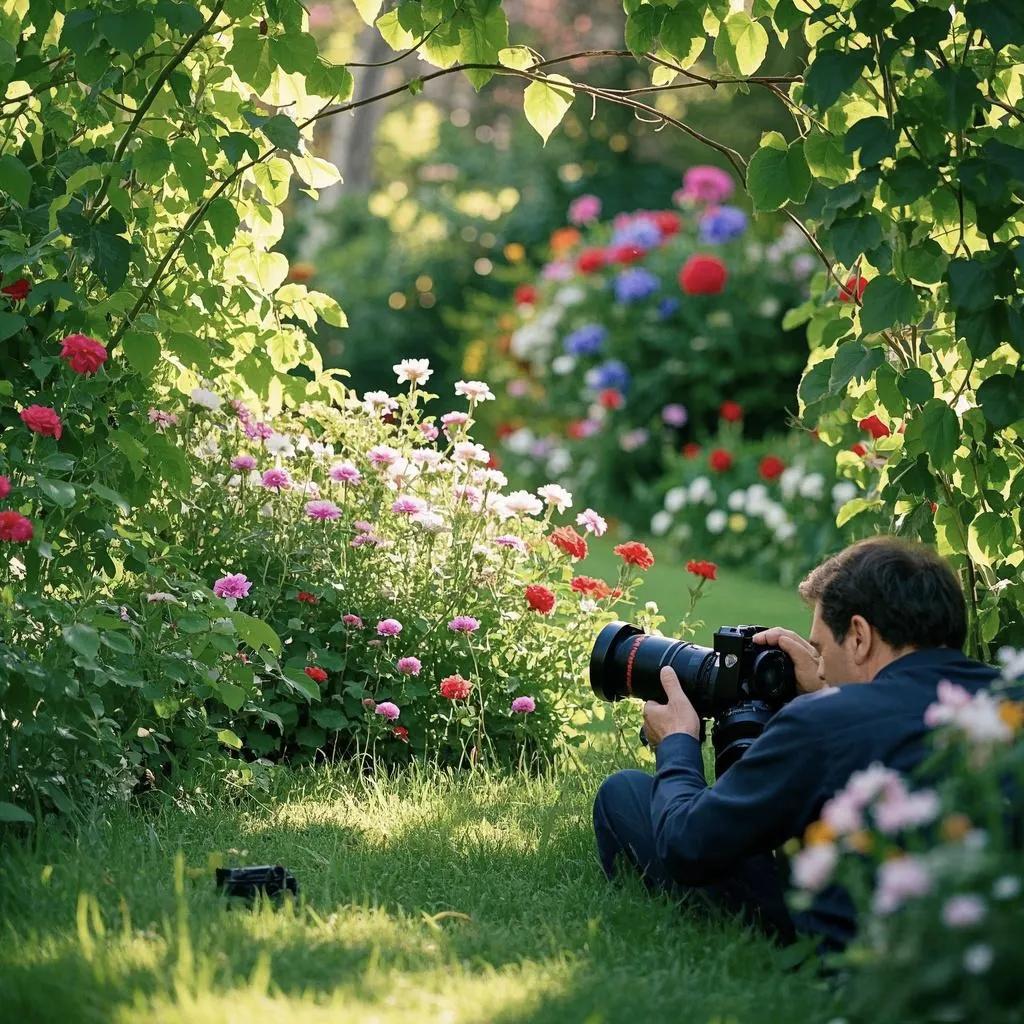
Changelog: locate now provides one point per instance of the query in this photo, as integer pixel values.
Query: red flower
(707, 570)
(875, 427)
(525, 295)
(306, 597)
(611, 399)
(668, 222)
(15, 527)
(720, 460)
(316, 673)
(5, 487)
(504, 429)
(690, 450)
(934, 507)
(596, 589)
(703, 275)
(770, 467)
(590, 260)
(626, 254)
(455, 687)
(494, 462)
(855, 284)
(539, 598)
(41, 419)
(731, 411)
(566, 539)
(859, 449)
(82, 353)
(635, 553)
(300, 271)
(400, 733)
(577, 429)
(18, 290)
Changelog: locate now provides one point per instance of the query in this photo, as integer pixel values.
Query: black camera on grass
(736, 683)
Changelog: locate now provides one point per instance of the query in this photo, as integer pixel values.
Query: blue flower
(610, 374)
(586, 340)
(667, 307)
(643, 233)
(722, 224)
(635, 284)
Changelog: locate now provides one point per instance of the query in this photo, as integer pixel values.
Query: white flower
(757, 499)
(812, 486)
(206, 398)
(416, 371)
(593, 522)
(379, 401)
(700, 490)
(774, 516)
(428, 520)
(737, 500)
(813, 866)
(716, 520)
(494, 477)
(467, 451)
(160, 597)
(1006, 887)
(558, 462)
(981, 722)
(428, 458)
(1012, 662)
(520, 503)
(569, 295)
(842, 492)
(402, 472)
(563, 364)
(963, 911)
(978, 958)
(474, 390)
(675, 499)
(789, 481)
(661, 523)
(588, 605)
(267, 511)
(279, 444)
(768, 307)
(520, 441)
(785, 531)
(553, 494)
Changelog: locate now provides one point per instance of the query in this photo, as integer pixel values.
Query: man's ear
(863, 639)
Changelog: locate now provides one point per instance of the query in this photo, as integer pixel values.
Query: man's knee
(619, 794)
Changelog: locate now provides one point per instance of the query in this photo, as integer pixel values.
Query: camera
(736, 683)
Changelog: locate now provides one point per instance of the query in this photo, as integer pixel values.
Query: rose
(317, 674)
(15, 527)
(5, 487)
(635, 553)
(455, 687)
(232, 585)
(18, 290)
(306, 597)
(591, 260)
(525, 295)
(524, 705)
(771, 467)
(731, 411)
(703, 275)
(855, 285)
(539, 598)
(566, 539)
(83, 354)
(41, 419)
(720, 460)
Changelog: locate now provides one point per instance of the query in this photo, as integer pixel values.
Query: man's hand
(661, 720)
(805, 658)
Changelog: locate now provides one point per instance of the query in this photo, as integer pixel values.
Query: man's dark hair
(905, 590)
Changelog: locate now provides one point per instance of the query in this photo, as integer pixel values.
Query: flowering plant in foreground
(934, 865)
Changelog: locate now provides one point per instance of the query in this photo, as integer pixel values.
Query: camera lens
(773, 679)
(735, 730)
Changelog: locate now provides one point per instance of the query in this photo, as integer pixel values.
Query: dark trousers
(622, 824)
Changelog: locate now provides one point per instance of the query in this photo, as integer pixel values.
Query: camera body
(736, 683)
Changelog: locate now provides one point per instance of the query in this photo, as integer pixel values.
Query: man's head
(878, 600)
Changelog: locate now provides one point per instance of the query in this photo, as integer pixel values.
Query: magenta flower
(243, 463)
(388, 710)
(705, 184)
(382, 455)
(464, 624)
(408, 506)
(409, 666)
(584, 209)
(258, 430)
(352, 620)
(592, 522)
(345, 473)
(233, 585)
(277, 479)
(389, 627)
(322, 510)
(524, 705)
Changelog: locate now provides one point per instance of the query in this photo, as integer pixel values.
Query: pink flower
(705, 184)
(352, 620)
(408, 506)
(506, 540)
(388, 710)
(5, 487)
(429, 431)
(162, 420)
(963, 911)
(473, 496)
(474, 390)
(592, 522)
(82, 353)
(363, 526)
(41, 419)
(898, 809)
(842, 814)
(322, 509)
(345, 473)
(277, 479)
(584, 209)
(464, 624)
(243, 463)
(409, 665)
(952, 698)
(258, 430)
(234, 585)
(900, 879)
(454, 419)
(813, 866)
(382, 455)
(389, 627)
(524, 705)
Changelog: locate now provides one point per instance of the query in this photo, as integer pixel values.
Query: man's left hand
(678, 715)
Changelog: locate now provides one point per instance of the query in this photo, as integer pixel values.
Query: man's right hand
(804, 657)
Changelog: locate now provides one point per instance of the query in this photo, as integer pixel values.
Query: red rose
(690, 450)
(875, 427)
(859, 449)
(635, 553)
(707, 570)
(611, 399)
(316, 673)
(41, 419)
(855, 285)
(83, 354)
(590, 260)
(15, 527)
(626, 254)
(591, 587)
(525, 295)
(703, 275)
(731, 411)
(720, 460)
(455, 687)
(5, 487)
(770, 467)
(306, 597)
(539, 598)
(566, 539)
(19, 290)
(400, 733)
(494, 462)
(668, 222)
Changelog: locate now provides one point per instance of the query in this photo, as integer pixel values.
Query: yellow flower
(514, 252)
(737, 522)
(955, 827)
(1012, 713)
(473, 357)
(819, 832)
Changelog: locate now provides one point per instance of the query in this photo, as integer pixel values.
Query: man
(886, 613)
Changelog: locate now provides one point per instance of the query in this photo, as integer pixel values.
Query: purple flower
(641, 231)
(558, 270)
(233, 585)
(706, 184)
(322, 510)
(610, 374)
(464, 624)
(586, 340)
(584, 209)
(666, 307)
(409, 666)
(345, 473)
(524, 705)
(389, 627)
(277, 479)
(674, 415)
(388, 710)
(635, 284)
(243, 463)
(507, 540)
(722, 224)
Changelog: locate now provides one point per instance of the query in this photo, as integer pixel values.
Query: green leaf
(545, 103)
(10, 325)
(256, 633)
(107, 254)
(151, 160)
(332, 81)
(15, 179)
(141, 350)
(82, 639)
(887, 302)
(60, 492)
(184, 17)
(875, 139)
(517, 57)
(483, 33)
(826, 158)
(853, 236)
(1001, 398)
(301, 682)
(107, 494)
(832, 73)
(642, 28)
(853, 360)
(294, 51)
(777, 174)
(11, 812)
(229, 739)
(935, 431)
(854, 507)
(991, 538)
(190, 166)
(925, 261)
(127, 32)
(282, 132)
(250, 57)
(972, 284)
(368, 9)
(960, 88)
(742, 44)
(815, 383)
(889, 394)
(683, 35)
(998, 19)
(330, 718)
(223, 219)
(231, 694)
(236, 145)
(916, 385)
(909, 179)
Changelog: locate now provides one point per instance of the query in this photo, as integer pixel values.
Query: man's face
(836, 663)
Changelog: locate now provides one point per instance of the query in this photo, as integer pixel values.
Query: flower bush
(934, 866)
(635, 332)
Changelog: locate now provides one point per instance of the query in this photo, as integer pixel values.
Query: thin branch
(405, 53)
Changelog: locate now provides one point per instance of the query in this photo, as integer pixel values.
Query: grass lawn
(425, 897)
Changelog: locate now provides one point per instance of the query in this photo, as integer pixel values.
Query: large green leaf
(887, 301)
(190, 166)
(1001, 398)
(683, 35)
(301, 682)
(15, 179)
(127, 31)
(82, 639)
(833, 72)
(255, 632)
(777, 173)
(934, 431)
(141, 350)
(545, 103)
(482, 34)
(11, 812)
(741, 44)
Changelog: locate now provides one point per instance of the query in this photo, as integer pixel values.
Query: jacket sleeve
(771, 794)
